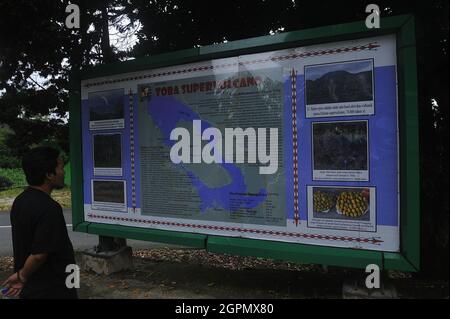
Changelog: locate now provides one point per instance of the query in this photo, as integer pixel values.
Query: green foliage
(6, 159)
(15, 175)
(5, 183)
(67, 176)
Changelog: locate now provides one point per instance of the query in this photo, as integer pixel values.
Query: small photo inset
(340, 151)
(339, 82)
(341, 203)
(109, 195)
(339, 89)
(107, 154)
(106, 109)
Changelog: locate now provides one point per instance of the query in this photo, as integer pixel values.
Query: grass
(16, 176)
(62, 196)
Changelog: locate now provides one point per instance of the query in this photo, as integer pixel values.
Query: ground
(169, 273)
(62, 196)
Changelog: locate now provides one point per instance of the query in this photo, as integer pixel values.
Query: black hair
(39, 162)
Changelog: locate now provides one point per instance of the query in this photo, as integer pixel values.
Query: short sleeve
(48, 234)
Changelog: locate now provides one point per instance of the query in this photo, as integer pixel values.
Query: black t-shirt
(38, 226)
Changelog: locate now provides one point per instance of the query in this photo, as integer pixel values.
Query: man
(42, 248)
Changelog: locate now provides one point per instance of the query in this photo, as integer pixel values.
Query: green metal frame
(409, 257)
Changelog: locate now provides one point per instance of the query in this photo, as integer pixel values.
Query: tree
(36, 59)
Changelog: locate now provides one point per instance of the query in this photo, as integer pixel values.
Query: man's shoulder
(35, 200)
(32, 194)
(21, 199)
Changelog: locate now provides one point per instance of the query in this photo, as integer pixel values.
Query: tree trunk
(105, 44)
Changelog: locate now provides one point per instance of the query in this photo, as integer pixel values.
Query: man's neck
(46, 188)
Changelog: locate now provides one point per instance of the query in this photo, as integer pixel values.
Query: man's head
(43, 165)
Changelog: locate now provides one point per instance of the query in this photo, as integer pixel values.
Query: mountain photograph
(339, 83)
(107, 105)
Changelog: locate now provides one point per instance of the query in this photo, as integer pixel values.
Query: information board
(296, 145)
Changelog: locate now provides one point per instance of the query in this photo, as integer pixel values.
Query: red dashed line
(373, 240)
(369, 46)
(294, 140)
(132, 153)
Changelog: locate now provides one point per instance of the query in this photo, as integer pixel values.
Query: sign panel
(296, 145)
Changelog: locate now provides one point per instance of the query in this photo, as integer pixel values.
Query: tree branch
(29, 77)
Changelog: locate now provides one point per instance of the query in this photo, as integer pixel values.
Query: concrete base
(107, 262)
(356, 289)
